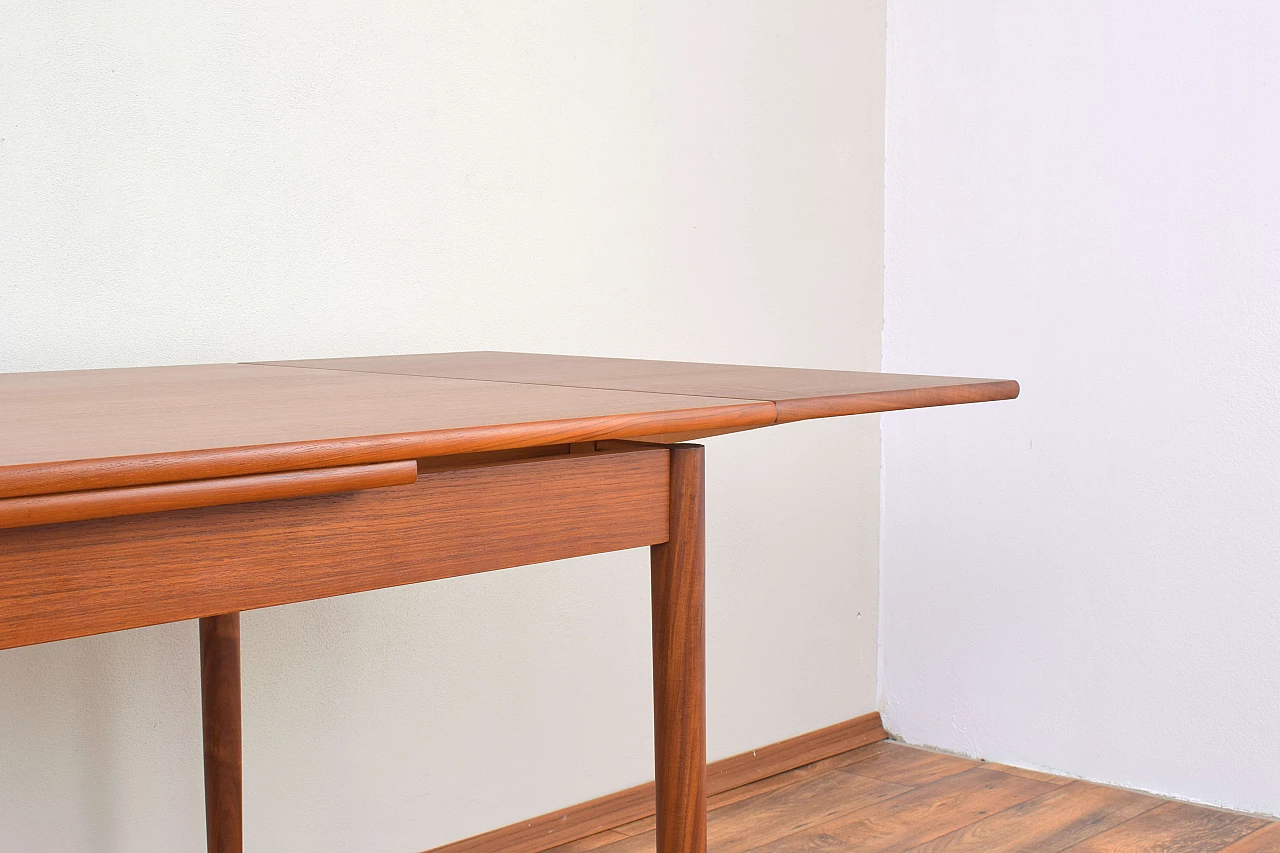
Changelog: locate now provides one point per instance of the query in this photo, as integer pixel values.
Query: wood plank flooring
(892, 798)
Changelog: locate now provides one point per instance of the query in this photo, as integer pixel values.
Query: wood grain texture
(896, 399)
(767, 817)
(909, 766)
(76, 430)
(1265, 840)
(1029, 774)
(1066, 813)
(68, 580)
(678, 573)
(794, 752)
(749, 790)
(692, 435)
(137, 500)
(761, 786)
(1173, 828)
(90, 429)
(591, 842)
(473, 460)
(625, 807)
(799, 393)
(563, 827)
(1048, 823)
(220, 705)
(918, 816)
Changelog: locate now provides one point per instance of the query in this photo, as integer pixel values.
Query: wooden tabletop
(90, 429)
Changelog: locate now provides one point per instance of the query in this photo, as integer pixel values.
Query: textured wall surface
(1085, 196)
(235, 181)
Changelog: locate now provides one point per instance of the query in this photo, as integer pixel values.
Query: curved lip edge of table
(869, 402)
(34, 510)
(683, 425)
(180, 466)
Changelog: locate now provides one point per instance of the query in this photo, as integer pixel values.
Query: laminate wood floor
(891, 798)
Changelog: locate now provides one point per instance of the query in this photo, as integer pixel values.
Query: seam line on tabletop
(519, 382)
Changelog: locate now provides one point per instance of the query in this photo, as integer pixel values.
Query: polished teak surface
(796, 393)
(93, 429)
(69, 580)
(139, 496)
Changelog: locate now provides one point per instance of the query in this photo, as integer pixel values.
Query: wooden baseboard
(614, 810)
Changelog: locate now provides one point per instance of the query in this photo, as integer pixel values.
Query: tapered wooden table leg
(679, 662)
(220, 699)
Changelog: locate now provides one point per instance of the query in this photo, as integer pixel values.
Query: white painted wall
(188, 182)
(1085, 195)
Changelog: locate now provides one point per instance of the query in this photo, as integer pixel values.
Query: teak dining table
(137, 496)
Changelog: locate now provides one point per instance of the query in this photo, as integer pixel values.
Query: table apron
(87, 577)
